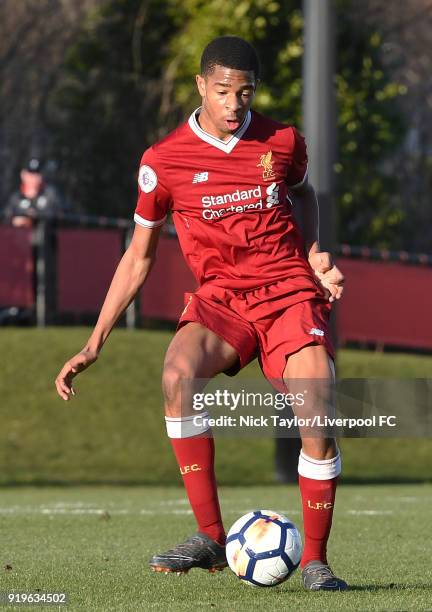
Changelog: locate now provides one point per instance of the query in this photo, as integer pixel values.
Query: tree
(405, 35)
(370, 129)
(105, 111)
(34, 36)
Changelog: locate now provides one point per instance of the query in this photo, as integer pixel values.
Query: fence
(61, 271)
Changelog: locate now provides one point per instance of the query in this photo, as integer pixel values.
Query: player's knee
(312, 362)
(174, 374)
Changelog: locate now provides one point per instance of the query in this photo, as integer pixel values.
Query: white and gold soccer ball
(263, 548)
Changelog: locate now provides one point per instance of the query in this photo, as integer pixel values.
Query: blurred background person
(34, 198)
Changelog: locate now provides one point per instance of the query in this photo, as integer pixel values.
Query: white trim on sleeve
(146, 223)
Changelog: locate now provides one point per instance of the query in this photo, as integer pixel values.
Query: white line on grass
(77, 509)
(61, 510)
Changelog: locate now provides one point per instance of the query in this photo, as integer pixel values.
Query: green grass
(94, 542)
(114, 431)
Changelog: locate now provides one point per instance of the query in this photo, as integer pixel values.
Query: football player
(229, 177)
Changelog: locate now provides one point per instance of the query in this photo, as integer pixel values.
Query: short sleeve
(154, 198)
(298, 166)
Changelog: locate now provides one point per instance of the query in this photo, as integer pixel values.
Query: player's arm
(306, 208)
(154, 201)
(306, 212)
(130, 275)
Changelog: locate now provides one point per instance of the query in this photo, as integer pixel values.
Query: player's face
(227, 95)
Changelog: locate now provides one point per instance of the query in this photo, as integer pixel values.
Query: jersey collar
(224, 145)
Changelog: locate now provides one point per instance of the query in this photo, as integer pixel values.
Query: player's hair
(230, 52)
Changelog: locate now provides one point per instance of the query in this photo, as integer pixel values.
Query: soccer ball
(263, 548)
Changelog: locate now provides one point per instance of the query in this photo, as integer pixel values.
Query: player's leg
(194, 353)
(319, 462)
(295, 345)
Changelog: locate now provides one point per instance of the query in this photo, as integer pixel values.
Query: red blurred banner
(16, 267)
(162, 296)
(86, 261)
(385, 303)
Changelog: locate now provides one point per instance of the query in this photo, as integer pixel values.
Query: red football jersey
(230, 201)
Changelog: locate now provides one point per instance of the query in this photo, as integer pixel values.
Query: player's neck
(207, 125)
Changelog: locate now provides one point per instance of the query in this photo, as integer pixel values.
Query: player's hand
(71, 368)
(329, 275)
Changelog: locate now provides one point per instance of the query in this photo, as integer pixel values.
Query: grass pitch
(94, 542)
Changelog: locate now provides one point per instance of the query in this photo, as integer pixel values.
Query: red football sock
(318, 498)
(195, 456)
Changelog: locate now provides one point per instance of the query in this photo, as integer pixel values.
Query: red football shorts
(271, 322)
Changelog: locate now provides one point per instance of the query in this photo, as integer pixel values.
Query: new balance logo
(200, 177)
(316, 332)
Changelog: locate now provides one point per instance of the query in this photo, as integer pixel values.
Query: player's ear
(200, 81)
